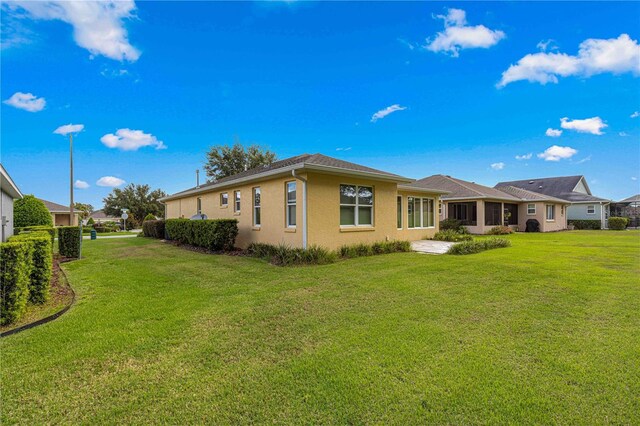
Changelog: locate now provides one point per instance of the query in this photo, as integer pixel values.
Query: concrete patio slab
(431, 246)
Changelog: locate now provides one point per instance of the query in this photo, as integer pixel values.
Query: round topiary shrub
(29, 211)
(149, 217)
(618, 223)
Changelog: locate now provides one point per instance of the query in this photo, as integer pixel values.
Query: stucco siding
(6, 213)
(414, 234)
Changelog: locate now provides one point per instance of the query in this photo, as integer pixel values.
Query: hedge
(618, 223)
(14, 280)
(42, 264)
(471, 247)
(153, 228)
(27, 229)
(452, 236)
(29, 211)
(69, 241)
(585, 224)
(213, 234)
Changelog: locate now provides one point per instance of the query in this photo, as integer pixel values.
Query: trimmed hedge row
(212, 234)
(153, 228)
(26, 229)
(471, 247)
(41, 264)
(452, 236)
(69, 241)
(618, 223)
(14, 279)
(585, 223)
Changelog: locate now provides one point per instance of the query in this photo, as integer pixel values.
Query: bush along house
(313, 199)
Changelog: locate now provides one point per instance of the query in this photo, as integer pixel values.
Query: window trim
(287, 203)
(227, 199)
(422, 200)
(357, 206)
(254, 191)
(535, 209)
(594, 209)
(237, 201)
(553, 209)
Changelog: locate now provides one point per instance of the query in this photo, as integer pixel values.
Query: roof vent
(530, 182)
(540, 187)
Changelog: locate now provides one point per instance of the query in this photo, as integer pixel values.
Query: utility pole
(71, 216)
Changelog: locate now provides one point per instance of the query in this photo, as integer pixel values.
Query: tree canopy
(29, 211)
(84, 210)
(138, 200)
(225, 160)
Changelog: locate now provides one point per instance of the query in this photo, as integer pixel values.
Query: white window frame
(288, 203)
(399, 198)
(199, 205)
(591, 206)
(223, 198)
(422, 200)
(357, 206)
(257, 208)
(237, 201)
(553, 209)
(529, 213)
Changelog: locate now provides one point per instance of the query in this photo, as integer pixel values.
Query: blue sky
(309, 77)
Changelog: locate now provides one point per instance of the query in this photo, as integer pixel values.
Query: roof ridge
(460, 182)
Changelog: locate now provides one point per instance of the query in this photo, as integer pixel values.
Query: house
(313, 199)
(629, 207)
(99, 216)
(572, 189)
(480, 207)
(60, 214)
(9, 192)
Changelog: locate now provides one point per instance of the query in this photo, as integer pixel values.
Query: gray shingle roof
(55, 207)
(526, 195)
(560, 187)
(458, 188)
(632, 199)
(100, 214)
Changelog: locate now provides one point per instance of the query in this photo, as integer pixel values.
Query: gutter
(304, 206)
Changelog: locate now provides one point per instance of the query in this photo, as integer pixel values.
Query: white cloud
(497, 166)
(131, 140)
(623, 134)
(584, 160)
(97, 25)
(110, 181)
(386, 111)
(69, 128)
(457, 35)
(634, 178)
(553, 133)
(593, 125)
(557, 153)
(636, 114)
(26, 101)
(344, 149)
(524, 157)
(595, 56)
(80, 184)
(545, 45)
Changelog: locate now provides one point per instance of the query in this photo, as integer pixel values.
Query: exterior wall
(6, 215)
(60, 219)
(559, 224)
(414, 234)
(581, 188)
(273, 228)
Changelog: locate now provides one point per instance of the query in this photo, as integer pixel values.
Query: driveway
(431, 246)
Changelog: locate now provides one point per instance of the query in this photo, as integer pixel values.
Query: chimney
(197, 178)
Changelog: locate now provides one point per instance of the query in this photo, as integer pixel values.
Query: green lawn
(547, 331)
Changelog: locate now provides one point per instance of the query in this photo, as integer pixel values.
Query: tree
(29, 211)
(84, 210)
(225, 160)
(138, 200)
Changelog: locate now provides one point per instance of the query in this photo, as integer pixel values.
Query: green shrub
(450, 224)
(42, 264)
(381, 247)
(285, 255)
(500, 230)
(148, 217)
(153, 228)
(585, 224)
(14, 280)
(29, 211)
(91, 222)
(451, 235)
(48, 229)
(69, 241)
(213, 234)
(471, 247)
(618, 223)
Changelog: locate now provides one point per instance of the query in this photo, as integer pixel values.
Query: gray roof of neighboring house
(632, 199)
(560, 187)
(460, 189)
(310, 161)
(55, 207)
(527, 195)
(100, 214)
(7, 184)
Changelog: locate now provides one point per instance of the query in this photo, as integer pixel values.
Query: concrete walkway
(431, 246)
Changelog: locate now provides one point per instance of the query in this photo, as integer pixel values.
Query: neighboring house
(9, 192)
(480, 207)
(629, 207)
(99, 216)
(572, 189)
(60, 214)
(314, 200)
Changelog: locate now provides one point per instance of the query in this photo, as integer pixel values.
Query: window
(591, 209)
(492, 213)
(291, 204)
(466, 213)
(551, 212)
(439, 208)
(256, 206)
(236, 201)
(511, 214)
(531, 209)
(224, 199)
(420, 212)
(399, 212)
(199, 205)
(356, 205)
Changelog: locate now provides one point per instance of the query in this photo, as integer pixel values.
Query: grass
(545, 331)
(99, 234)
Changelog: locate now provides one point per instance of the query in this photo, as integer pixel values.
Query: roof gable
(568, 188)
(458, 188)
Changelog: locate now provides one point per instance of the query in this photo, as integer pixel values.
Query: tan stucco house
(61, 215)
(313, 199)
(480, 207)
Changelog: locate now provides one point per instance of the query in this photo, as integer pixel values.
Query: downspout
(304, 207)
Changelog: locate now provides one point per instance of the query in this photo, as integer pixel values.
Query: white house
(9, 192)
